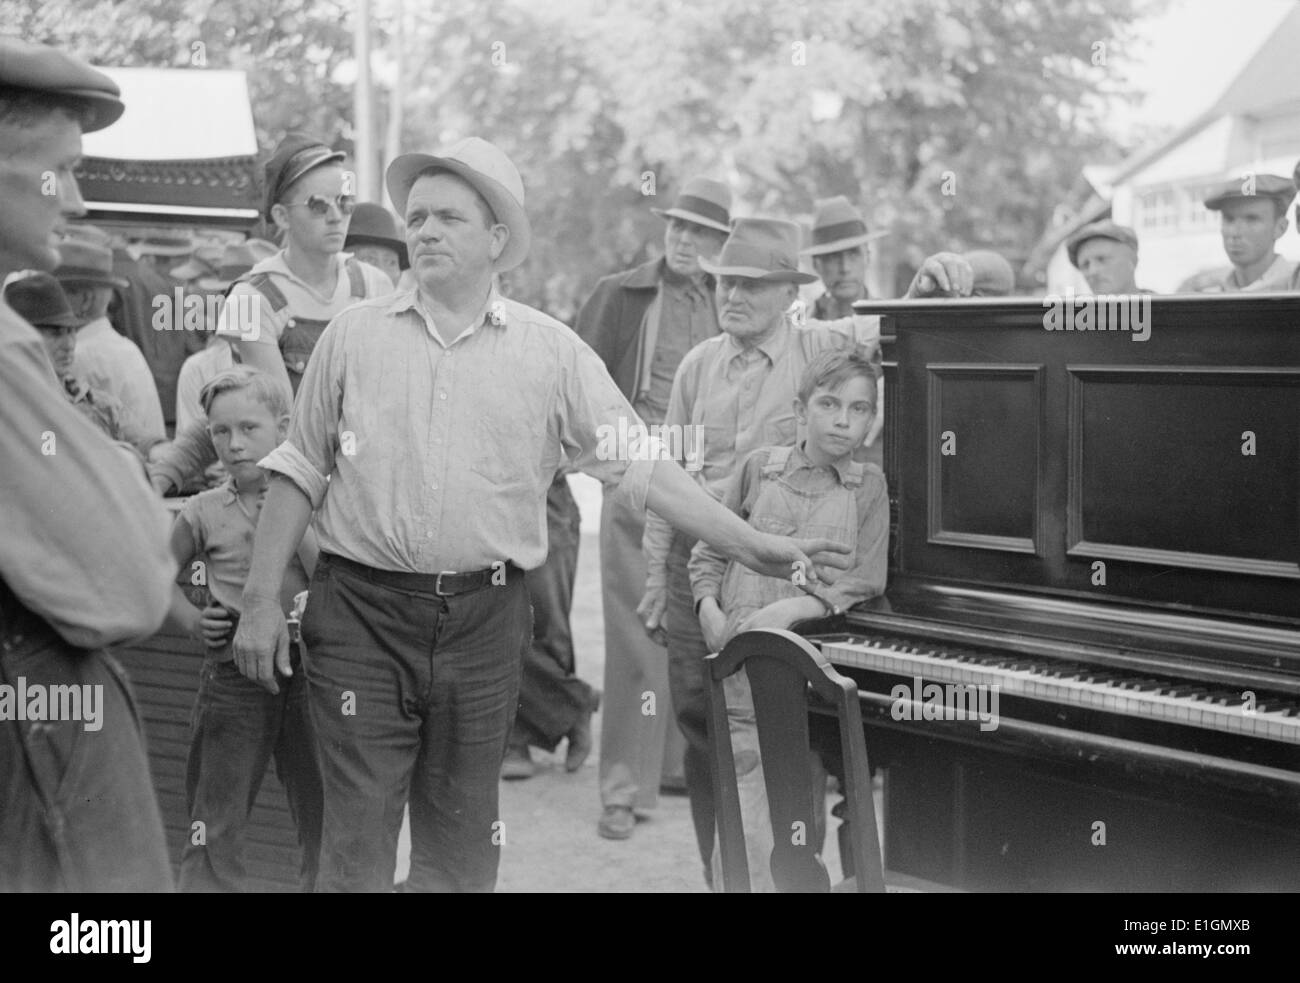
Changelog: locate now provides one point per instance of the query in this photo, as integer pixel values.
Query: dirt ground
(550, 820)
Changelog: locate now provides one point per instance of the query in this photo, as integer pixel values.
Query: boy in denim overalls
(813, 489)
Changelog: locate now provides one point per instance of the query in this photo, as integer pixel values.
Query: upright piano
(1102, 533)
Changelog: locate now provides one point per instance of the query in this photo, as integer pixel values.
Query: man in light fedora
(642, 322)
(840, 253)
(428, 428)
(105, 359)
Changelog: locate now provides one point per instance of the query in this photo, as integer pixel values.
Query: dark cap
(295, 156)
(49, 71)
(40, 301)
(374, 225)
(1105, 229)
(1248, 186)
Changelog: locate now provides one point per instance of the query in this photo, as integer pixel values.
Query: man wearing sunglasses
(292, 295)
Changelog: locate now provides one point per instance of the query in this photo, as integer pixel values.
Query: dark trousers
(552, 700)
(77, 807)
(237, 728)
(686, 654)
(412, 696)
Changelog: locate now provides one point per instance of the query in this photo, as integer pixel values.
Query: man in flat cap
(840, 253)
(83, 543)
(1106, 253)
(428, 428)
(642, 322)
(275, 313)
(1254, 211)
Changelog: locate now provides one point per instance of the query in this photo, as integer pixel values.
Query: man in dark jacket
(641, 323)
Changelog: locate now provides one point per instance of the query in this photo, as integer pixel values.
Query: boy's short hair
(835, 367)
(266, 390)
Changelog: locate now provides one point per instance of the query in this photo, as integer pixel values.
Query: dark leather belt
(445, 584)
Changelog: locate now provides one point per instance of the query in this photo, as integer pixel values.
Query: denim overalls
(793, 500)
(300, 334)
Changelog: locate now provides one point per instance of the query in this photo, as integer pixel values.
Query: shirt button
(442, 395)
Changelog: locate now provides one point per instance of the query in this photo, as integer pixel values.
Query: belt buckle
(437, 584)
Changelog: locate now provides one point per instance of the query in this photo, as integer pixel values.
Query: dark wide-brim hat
(703, 201)
(49, 71)
(1105, 229)
(39, 300)
(83, 261)
(295, 156)
(760, 249)
(1252, 186)
(838, 226)
(373, 225)
(489, 172)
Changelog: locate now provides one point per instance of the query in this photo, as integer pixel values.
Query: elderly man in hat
(429, 478)
(642, 322)
(1106, 253)
(1253, 212)
(840, 254)
(83, 545)
(737, 391)
(105, 359)
(40, 301)
(372, 238)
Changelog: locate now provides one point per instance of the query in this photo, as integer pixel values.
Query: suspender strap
(356, 278)
(265, 286)
(776, 458)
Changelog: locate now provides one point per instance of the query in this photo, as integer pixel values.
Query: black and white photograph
(652, 447)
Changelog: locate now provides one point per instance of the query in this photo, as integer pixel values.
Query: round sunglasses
(320, 204)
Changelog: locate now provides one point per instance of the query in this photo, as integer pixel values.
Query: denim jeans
(237, 728)
(77, 806)
(412, 695)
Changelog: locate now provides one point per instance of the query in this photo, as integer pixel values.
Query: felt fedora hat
(40, 68)
(702, 201)
(837, 226)
(760, 249)
(40, 301)
(83, 261)
(490, 172)
(374, 225)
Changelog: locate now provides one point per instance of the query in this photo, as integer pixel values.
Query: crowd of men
(417, 493)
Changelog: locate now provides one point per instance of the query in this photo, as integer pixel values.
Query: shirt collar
(494, 312)
(772, 348)
(847, 470)
(674, 279)
(95, 328)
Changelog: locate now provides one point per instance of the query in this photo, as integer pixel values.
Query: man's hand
(214, 626)
(943, 275)
(713, 624)
(780, 556)
(262, 642)
(651, 612)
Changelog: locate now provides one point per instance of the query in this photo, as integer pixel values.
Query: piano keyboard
(1077, 684)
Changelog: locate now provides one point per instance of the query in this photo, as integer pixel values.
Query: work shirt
(687, 316)
(439, 455)
(83, 539)
(222, 528)
(1224, 280)
(779, 490)
(108, 361)
(739, 400)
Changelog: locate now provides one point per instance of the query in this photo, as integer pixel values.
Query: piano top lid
(1246, 302)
